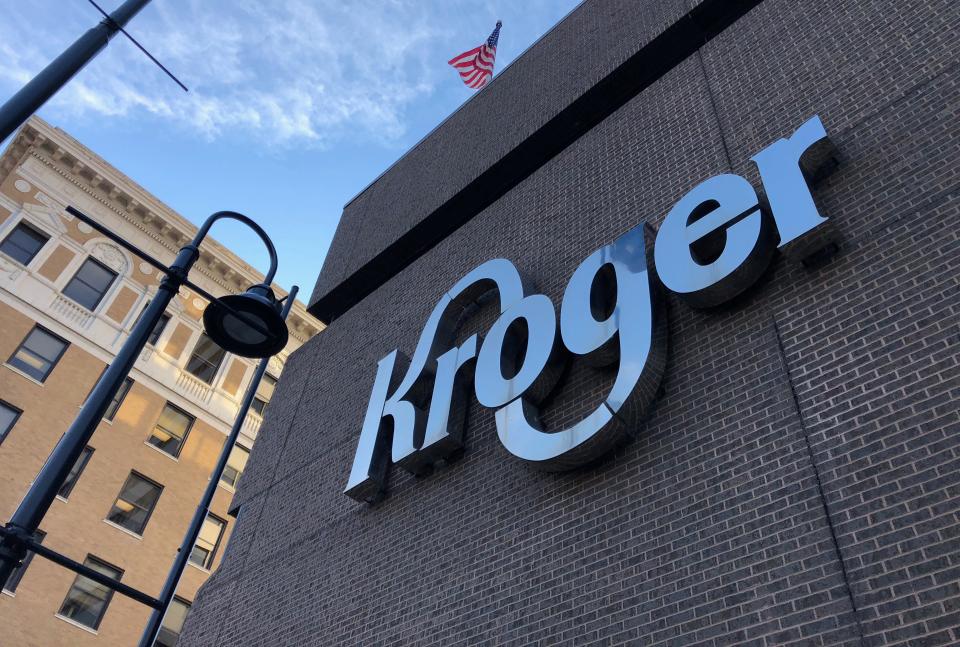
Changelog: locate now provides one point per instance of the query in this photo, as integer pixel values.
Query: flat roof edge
(652, 61)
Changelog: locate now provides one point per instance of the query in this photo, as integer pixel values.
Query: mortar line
(713, 106)
(238, 579)
(781, 353)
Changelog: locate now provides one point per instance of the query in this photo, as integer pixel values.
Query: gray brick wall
(798, 481)
(540, 83)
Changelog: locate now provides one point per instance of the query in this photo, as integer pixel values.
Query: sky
(294, 105)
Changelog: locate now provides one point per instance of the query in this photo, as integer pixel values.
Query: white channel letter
(785, 165)
(433, 376)
(727, 205)
(592, 316)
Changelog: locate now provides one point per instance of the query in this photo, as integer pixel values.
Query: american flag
(476, 65)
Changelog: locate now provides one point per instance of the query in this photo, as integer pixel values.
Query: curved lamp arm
(233, 215)
(189, 253)
(195, 243)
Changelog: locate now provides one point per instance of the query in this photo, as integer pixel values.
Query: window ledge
(104, 420)
(8, 593)
(199, 568)
(11, 259)
(22, 374)
(62, 498)
(160, 349)
(229, 488)
(157, 449)
(76, 624)
(123, 530)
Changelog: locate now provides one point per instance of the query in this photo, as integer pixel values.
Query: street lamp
(249, 324)
(235, 335)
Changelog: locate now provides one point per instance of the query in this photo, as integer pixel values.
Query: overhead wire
(140, 47)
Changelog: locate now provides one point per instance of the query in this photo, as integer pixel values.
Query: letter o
(541, 365)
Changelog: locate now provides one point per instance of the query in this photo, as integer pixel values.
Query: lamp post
(186, 546)
(248, 324)
(61, 69)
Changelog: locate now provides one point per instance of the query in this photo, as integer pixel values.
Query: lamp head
(233, 334)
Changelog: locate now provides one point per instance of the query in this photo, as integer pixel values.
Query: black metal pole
(54, 76)
(196, 241)
(25, 521)
(183, 553)
(257, 229)
(96, 576)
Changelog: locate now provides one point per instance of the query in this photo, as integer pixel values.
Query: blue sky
(294, 105)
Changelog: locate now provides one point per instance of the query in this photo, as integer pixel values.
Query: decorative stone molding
(8, 269)
(275, 366)
(111, 256)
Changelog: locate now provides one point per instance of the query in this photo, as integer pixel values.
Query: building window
(8, 418)
(209, 540)
(23, 243)
(235, 465)
(75, 472)
(206, 359)
(117, 400)
(17, 574)
(38, 353)
(158, 328)
(87, 601)
(264, 393)
(172, 623)
(90, 283)
(171, 430)
(135, 504)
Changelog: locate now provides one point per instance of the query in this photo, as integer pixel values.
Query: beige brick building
(68, 299)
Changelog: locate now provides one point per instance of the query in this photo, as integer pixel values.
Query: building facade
(793, 476)
(68, 300)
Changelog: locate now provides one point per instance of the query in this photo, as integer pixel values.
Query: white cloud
(285, 73)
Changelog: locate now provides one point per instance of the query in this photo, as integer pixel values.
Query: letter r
(784, 168)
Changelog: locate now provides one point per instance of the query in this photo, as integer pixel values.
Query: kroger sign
(713, 244)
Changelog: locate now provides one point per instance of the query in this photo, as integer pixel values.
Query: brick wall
(798, 480)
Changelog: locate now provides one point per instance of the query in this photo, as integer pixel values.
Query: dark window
(23, 243)
(18, 572)
(75, 472)
(211, 532)
(157, 328)
(236, 463)
(206, 359)
(171, 430)
(38, 353)
(90, 283)
(135, 504)
(8, 418)
(118, 399)
(87, 601)
(172, 623)
(264, 393)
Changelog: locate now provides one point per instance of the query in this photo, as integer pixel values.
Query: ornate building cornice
(110, 188)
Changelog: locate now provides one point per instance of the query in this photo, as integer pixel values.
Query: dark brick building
(798, 478)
